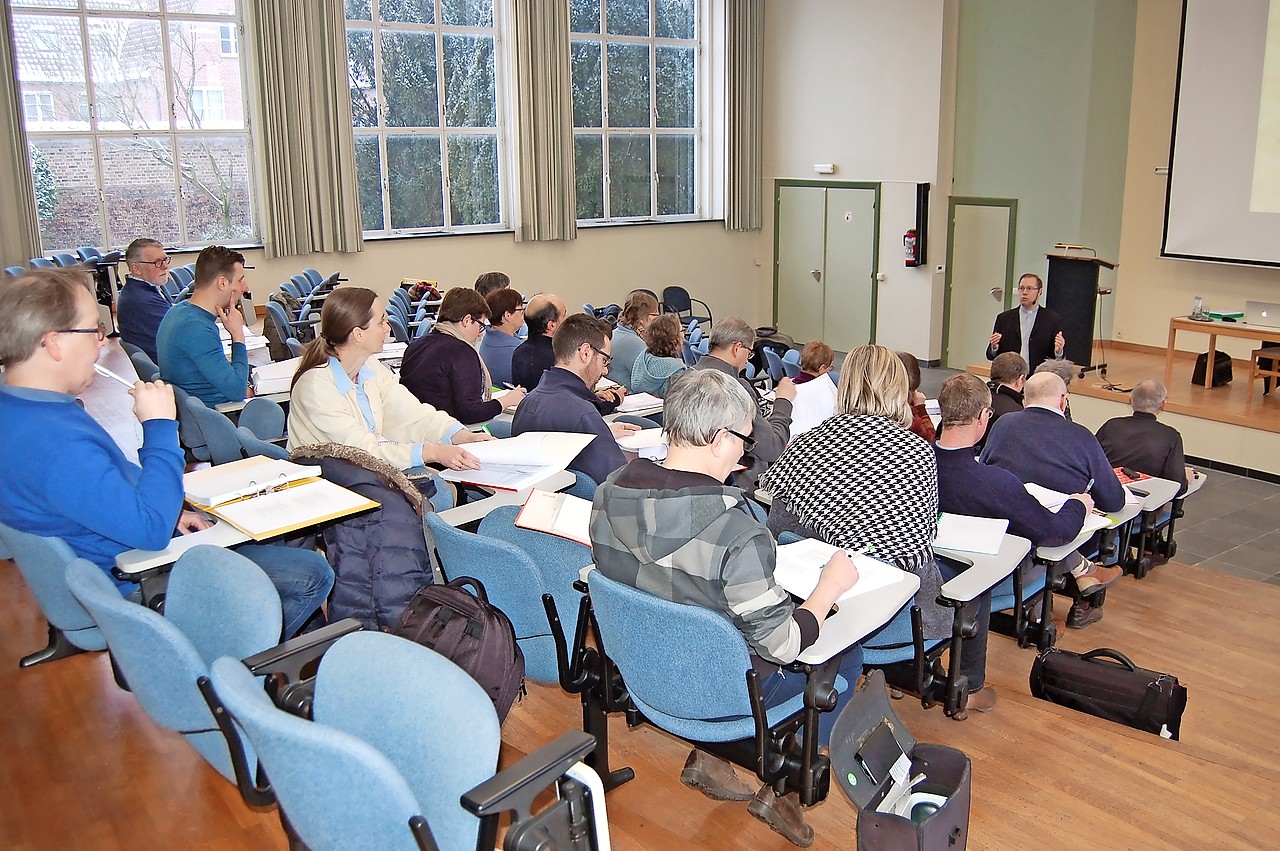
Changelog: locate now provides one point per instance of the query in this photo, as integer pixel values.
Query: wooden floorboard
(84, 768)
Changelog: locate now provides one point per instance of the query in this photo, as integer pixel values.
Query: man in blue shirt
(506, 315)
(141, 305)
(63, 474)
(188, 342)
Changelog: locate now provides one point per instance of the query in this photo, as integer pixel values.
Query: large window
(136, 121)
(635, 108)
(424, 103)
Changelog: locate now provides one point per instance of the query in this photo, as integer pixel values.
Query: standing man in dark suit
(1032, 331)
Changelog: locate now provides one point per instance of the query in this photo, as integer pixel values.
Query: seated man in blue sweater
(188, 341)
(1038, 444)
(63, 474)
(142, 306)
(563, 400)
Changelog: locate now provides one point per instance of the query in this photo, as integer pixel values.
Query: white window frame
(37, 107)
(212, 106)
(229, 39)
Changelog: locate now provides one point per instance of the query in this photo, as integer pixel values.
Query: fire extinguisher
(911, 247)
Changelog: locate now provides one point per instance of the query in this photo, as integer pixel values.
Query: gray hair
(33, 304)
(133, 253)
(730, 330)
(700, 403)
(1147, 396)
(1064, 369)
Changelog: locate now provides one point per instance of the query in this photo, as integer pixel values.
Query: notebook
(560, 514)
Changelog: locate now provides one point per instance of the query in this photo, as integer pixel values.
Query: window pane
(137, 185)
(584, 16)
(413, 169)
(587, 108)
(359, 10)
(588, 161)
(629, 176)
(66, 193)
(675, 18)
(628, 85)
(199, 65)
(473, 180)
(409, 79)
(127, 66)
(407, 11)
(360, 76)
(202, 7)
(369, 182)
(628, 17)
(50, 61)
(215, 189)
(674, 79)
(675, 175)
(469, 97)
(43, 4)
(125, 5)
(466, 13)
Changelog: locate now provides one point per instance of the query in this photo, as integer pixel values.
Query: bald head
(1044, 388)
(544, 313)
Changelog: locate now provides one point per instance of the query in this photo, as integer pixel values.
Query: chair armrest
(515, 788)
(290, 657)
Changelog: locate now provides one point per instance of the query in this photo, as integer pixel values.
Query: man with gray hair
(731, 343)
(677, 531)
(1141, 443)
(141, 305)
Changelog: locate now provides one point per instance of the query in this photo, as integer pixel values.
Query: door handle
(997, 293)
(817, 274)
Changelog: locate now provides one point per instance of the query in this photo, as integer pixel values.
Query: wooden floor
(82, 766)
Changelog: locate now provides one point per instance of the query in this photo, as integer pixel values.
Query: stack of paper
(391, 351)
(515, 463)
(647, 443)
(557, 514)
(639, 402)
(970, 534)
(799, 567)
(274, 377)
(1054, 500)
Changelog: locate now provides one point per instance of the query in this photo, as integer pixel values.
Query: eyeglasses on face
(101, 331)
(162, 263)
(748, 443)
(608, 358)
(1025, 289)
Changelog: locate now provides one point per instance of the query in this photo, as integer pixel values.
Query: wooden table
(1214, 328)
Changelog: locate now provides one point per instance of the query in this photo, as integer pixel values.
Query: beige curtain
(744, 130)
(544, 123)
(305, 147)
(20, 236)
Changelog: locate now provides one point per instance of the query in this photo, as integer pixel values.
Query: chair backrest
(424, 327)
(219, 433)
(303, 283)
(14, 271)
(294, 345)
(185, 275)
(189, 433)
(337, 791)
(264, 417)
(444, 747)
(399, 328)
(512, 581)
(87, 253)
(588, 308)
(251, 446)
(685, 662)
(42, 263)
(790, 363)
(695, 332)
(774, 364)
(43, 563)
(313, 277)
(277, 316)
(143, 364)
(218, 604)
(66, 259)
(676, 299)
(292, 289)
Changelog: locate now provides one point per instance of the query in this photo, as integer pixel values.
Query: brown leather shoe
(714, 777)
(782, 814)
(983, 700)
(1082, 614)
(1096, 577)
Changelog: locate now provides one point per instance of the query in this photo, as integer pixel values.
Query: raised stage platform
(1221, 425)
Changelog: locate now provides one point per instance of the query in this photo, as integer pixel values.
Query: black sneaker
(1082, 614)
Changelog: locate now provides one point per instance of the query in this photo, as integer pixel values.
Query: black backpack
(471, 633)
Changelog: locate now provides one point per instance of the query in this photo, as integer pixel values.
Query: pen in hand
(106, 373)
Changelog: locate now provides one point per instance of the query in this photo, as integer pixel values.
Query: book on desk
(515, 463)
(560, 514)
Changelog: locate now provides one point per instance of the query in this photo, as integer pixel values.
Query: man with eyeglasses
(1038, 444)
(65, 477)
(142, 305)
(564, 401)
(1032, 331)
(506, 315)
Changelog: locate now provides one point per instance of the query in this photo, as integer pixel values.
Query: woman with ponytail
(342, 394)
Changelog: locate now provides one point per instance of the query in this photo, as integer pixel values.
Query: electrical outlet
(939, 269)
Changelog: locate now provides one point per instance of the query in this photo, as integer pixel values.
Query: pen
(106, 373)
(1089, 486)
(508, 385)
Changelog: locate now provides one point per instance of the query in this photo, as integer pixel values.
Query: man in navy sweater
(1039, 445)
(141, 306)
(63, 474)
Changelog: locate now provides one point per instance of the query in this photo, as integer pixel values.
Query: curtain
(544, 123)
(305, 147)
(20, 237)
(744, 125)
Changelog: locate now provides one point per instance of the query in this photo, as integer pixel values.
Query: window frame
(229, 39)
(42, 102)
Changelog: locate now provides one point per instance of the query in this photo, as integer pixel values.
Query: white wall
(859, 84)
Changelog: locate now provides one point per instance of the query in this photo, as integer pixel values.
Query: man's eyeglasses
(748, 443)
(162, 263)
(1028, 289)
(101, 331)
(608, 358)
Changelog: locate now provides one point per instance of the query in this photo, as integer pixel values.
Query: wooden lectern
(1073, 295)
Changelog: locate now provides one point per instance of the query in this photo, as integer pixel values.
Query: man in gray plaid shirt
(677, 531)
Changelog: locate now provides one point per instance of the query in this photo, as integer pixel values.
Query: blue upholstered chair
(1016, 594)
(294, 345)
(791, 363)
(218, 604)
(367, 774)
(189, 433)
(251, 445)
(14, 271)
(142, 363)
(43, 563)
(42, 263)
(66, 259)
(219, 433)
(264, 417)
(773, 365)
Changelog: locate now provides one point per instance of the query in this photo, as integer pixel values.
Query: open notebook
(515, 463)
(799, 567)
(559, 514)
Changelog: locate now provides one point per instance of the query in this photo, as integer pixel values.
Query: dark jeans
(782, 685)
(303, 579)
(973, 651)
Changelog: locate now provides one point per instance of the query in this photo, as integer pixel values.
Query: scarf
(451, 328)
